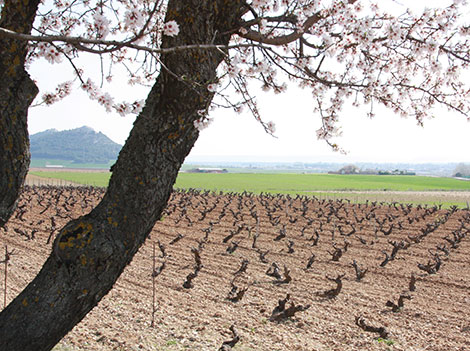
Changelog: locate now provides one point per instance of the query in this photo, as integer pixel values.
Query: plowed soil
(435, 316)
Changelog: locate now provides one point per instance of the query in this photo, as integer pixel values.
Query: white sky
(386, 138)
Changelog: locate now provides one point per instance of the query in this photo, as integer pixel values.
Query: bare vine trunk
(17, 91)
(91, 252)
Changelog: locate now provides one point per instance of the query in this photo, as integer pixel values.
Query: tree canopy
(346, 52)
(193, 53)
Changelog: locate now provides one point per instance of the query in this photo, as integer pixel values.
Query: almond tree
(192, 52)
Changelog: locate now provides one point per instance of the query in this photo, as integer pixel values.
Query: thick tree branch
(288, 38)
(17, 91)
(283, 39)
(91, 252)
(114, 45)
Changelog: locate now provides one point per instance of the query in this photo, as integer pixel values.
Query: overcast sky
(386, 138)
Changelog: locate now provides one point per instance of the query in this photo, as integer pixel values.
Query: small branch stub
(228, 345)
(361, 323)
(281, 313)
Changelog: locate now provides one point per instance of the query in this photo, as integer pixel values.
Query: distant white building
(207, 170)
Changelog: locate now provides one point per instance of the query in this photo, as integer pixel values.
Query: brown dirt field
(436, 318)
(434, 197)
(33, 180)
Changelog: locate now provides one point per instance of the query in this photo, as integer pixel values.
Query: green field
(284, 183)
(42, 162)
(87, 178)
(357, 188)
(292, 183)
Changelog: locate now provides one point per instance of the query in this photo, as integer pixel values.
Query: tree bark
(91, 252)
(17, 91)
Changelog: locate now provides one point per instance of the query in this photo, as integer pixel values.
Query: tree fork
(92, 251)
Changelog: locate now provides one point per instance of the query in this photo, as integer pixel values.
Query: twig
(236, 294)
(153, 287)
(360, 273)
(332, 293)
(361, 323)
(5, 261)
(155, 273)
(397, 307)
(412, 285)
(280, 312)
(227, 345)
(310, 261)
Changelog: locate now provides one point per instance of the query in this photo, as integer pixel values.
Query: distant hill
(81, 145)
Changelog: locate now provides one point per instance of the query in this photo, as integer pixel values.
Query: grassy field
(284, 183)
(356, 188)
(86, 178)
(40, 162)
(288, 183)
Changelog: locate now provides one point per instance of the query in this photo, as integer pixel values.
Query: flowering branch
(114, 45)
(340, 50)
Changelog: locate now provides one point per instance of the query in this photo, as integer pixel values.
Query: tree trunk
(91, 252)
(17, 91)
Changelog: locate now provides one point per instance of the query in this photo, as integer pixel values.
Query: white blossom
(259, 3)
(271, 127)
(101, 25)
(352, 53)
(202, 123)
(233, 70)
(123, 108)
(52, 54)
(212, 87)
(137, 106)
(134, 19)
(106, 100)
(171, 28)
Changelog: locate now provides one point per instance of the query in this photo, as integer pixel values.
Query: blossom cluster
(61, 91)
(344, 52)
(136, 21)
(352, 53)
(49, 52)
(107, 101)
(171, 28)
(202, 123)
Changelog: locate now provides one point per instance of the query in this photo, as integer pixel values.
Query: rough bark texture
(91, 252)
(17, 91)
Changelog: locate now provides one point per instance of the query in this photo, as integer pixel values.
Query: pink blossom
(134, 19)
(123, 108)
(137, 106)
(238, 109)
(212, 87)
(271, 127)
(202, 123)
(233, 70)
(171, 28)
(259, 3)
(64, 89)
(49, 98)
(243, 31)
(52, 55)
(101, 25)
(106, 100)
(91, 89)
